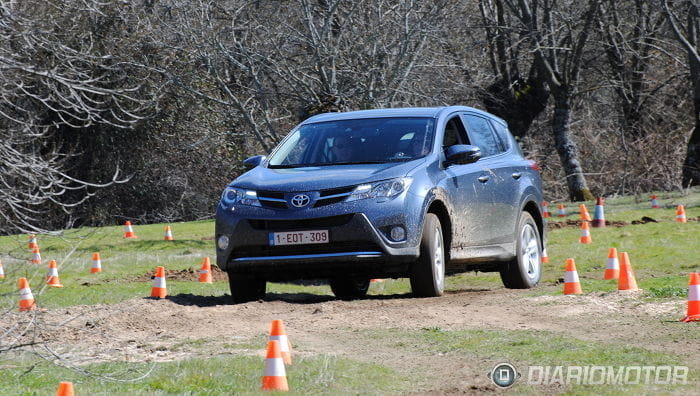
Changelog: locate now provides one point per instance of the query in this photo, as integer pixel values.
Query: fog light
(397, 234)
(222, 242)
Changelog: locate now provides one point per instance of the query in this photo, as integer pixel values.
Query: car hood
(322, 177)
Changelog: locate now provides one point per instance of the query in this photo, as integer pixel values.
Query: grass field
(662, 254)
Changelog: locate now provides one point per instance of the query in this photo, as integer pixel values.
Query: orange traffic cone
(376, 280)
(36, 256)
(128, 231)
(159, 290)
(545, 210)
(2, 271)
(599, 214)
(693, 298)
(205, 271)
(612, 268)
(275, 376)
(168, 234)
(585, 233)
(561, 211)
(32, 242)
(680, 214)
(571, 282)
(52, 276)
(545, 258)
(654, 203)
(65, 388)
(278, 333)
(583, 211)
(26, 298)
(96, 263)
(626, 280)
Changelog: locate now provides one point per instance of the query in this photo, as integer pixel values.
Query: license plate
(298, 237)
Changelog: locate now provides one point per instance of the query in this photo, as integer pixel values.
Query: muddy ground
(144, 329)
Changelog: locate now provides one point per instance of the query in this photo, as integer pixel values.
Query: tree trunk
(691, 166)
(566, 147)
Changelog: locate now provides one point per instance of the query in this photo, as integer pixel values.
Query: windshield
(361, 141)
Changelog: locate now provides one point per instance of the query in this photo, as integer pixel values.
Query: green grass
(536, 348)
(662, 255)
(219, 375)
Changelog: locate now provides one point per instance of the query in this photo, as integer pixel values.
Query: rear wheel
(246, 288)
(428, 273)
(525, 270)
(349, 288)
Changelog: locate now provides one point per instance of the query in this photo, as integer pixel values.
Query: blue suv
(389, 193)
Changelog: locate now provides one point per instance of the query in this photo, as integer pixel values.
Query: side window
(454, 133)
(502, 133)
(481, 135)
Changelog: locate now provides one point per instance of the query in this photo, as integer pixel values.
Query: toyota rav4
(416, 192)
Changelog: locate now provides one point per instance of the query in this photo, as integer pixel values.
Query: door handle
(483, 178)
(517, 175)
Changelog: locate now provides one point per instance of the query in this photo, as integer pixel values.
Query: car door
(499, 202)
(464, 190)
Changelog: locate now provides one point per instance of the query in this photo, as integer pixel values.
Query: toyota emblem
(300, 200)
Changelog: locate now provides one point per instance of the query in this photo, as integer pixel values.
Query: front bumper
(356, 247)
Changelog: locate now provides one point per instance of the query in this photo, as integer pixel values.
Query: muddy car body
(415, 192)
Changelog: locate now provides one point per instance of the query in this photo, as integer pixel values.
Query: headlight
(233, 196)
(383, 189)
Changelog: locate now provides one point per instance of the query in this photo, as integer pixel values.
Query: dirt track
(146, 329)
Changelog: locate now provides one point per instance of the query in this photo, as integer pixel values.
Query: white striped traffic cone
(36, 256)
(693, 298)
(52, 276)
(612, 268)
(26, 298)
(159, 289)
(96, 263)
(571, 283)
(278, 333)
(168, 234)
(275, 376)
(599, 214)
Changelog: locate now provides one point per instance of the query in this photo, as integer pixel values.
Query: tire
(246, 288)
(428, 272)
(349, 288)
(525, 270)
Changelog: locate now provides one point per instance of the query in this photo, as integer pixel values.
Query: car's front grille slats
(276, 199)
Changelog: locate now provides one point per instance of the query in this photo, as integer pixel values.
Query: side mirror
(460, 154)
(252, 162)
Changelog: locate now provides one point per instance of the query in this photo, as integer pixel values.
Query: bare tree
(55, 75)
(273, 65)
(518, 92)
(630, 33)
(559, 33)
(688, 37)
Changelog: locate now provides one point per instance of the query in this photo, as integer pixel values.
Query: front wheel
(245, 288)
(428, 272)
(349, 288)
(525, 270)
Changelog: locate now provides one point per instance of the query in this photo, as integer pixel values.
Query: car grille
(334, 195)
(291, 250)
(300, 224)
(272, 199)
(276, 199)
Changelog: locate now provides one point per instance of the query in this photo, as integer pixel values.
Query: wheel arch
(438, 208)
